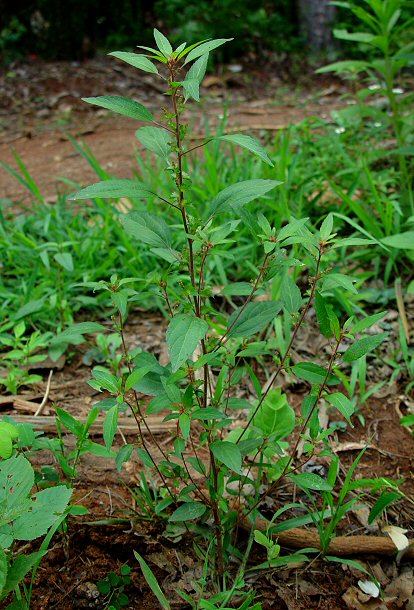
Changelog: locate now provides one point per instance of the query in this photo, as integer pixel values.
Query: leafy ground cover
(323, 250)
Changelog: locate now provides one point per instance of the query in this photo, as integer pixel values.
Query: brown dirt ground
(40, 104)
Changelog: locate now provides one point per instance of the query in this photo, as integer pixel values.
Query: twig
(46, 396)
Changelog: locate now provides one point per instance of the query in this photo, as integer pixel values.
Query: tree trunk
(316, 17)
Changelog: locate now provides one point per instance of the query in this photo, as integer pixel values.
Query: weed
(113, 589)
(212, 476)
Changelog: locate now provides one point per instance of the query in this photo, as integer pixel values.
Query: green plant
(213, 474)
(21, 356)
(25, 517)
(105, 351)
(388, 37)
(113, 588)
(351, 494)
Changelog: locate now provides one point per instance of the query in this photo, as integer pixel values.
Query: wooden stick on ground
(341, 546)
(46, 423)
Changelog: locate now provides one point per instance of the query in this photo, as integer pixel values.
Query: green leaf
(6, 445)
(204, 48)
(184, 333)
(312, 481)
(227, 453)
(309, 371)
(381, 504)
(365, 37)
(49, 504)
(290, 295)
(275, 418)
(138, 61)
(322, 314)
(28, 308)
(136, 376)
(344, 66)
(162, 43)
(237, 195)
(3, 570)
(72, 424)
(124, 455)
(19, 568)
(156, 140)
(326, 228)
(113, 189)
(16, 474)
(363, 346)
(185, 423)
(105, 379)
(10, 429)
(249, 143)
(252, 318)
(188, 511)
(350, 562)
(83, 328)
(65, 260)
(367, 322)
(121, 105)
(343, 404)
(339, 280)
(110, 426)
(194, 77)
(261, 539)
(207, 413)
(152, 582)
(402, 241)
(149, 229)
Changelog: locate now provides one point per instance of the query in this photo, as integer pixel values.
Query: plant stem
(289, 347)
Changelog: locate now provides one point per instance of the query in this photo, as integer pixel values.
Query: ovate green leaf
(162, 43)
(275, 418)
(206, 47)
(322, 314)
(367, 322)
(184, 333)
(252, 318)
(363, 346)
(195, 75)
(343, 404)
(237, 195)
(290, 295)
(147, 228)
(110, 426)
(249, 143)
(121, 105)
(155, 139)
(65, 260)
(49, 504)
(227, 453)
(138, 61)
(113, 189)
(188, 511)
(309, 371)
(310, 480)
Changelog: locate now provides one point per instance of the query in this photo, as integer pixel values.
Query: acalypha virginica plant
(226, 448)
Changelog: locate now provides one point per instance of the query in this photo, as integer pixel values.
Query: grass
(49, 254)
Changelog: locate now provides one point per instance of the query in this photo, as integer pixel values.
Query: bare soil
(41, 104)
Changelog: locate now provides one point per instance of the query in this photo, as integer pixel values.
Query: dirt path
(42, 104)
